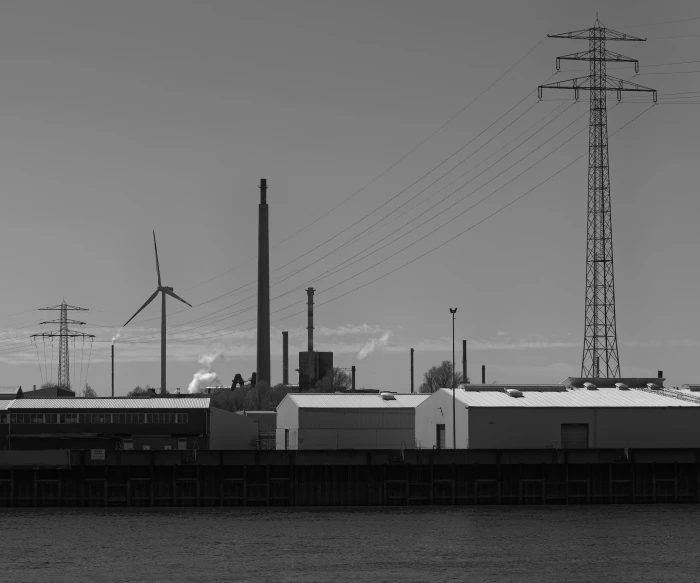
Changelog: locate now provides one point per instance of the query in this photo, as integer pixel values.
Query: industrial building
(141, 424)
(557, 416)
(347, 421)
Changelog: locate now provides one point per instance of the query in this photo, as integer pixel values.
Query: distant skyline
(121, 118)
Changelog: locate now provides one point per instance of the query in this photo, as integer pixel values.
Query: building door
(182, 443)
(574, 435)
(440, 436)
(286, 439)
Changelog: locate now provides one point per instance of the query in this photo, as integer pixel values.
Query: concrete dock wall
(335, 478)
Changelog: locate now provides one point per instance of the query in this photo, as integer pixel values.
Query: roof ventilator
(514, 392)
(590, 386)
(388, 396)
(622, 386)
(653, 386)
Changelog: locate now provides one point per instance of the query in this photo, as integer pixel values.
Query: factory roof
(605, 397)
(109, 403)
(356, 400)
(5, 405)
(10, 392)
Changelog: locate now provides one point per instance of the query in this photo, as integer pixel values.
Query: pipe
(411, 369)
(464, 362)
(263, 354)
(483, 374)
(285, 358)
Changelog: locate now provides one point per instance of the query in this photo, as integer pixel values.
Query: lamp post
(454, 414)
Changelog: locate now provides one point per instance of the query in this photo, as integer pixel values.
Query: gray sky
(122, 117)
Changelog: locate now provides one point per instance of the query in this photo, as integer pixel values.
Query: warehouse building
(347, 421)
(556, 416)
(140, 424)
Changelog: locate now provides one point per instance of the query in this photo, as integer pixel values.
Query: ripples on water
(558, 544)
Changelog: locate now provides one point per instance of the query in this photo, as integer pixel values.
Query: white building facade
(347, 421)
(553, 416)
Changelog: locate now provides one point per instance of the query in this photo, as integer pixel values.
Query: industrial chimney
(285, 358)
(112, 370)
(263, 356)
(310, 327)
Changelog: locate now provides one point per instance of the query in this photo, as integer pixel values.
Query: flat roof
(356, 400)
(109, 403)
(605, 397)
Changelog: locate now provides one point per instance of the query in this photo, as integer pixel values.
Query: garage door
(574, 435)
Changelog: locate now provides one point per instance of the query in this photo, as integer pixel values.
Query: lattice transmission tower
(600, 354)
(64, 334)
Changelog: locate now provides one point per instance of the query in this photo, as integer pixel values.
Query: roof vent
(387, 396)
(653, 386)
(622, 386)
(514, 392)
(590, 386)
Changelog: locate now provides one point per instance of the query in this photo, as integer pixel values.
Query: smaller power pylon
(64, 334)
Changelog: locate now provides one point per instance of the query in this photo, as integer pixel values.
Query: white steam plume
(116, 336)
(205, 376)
(373, 344)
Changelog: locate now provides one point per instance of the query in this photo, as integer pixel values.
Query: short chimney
(661, 374)
(483, 374)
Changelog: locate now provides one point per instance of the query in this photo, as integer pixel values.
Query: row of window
(95, 418)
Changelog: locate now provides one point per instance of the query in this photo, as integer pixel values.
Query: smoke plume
(116, 336)
(205, 376)
(373, 344)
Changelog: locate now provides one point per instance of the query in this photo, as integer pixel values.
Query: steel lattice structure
(600, 353)
(64, 334)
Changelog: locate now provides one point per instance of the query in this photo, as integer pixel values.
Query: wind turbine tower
(163, 290)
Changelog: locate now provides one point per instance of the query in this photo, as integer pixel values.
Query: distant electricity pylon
(64, 334)
(600, 339)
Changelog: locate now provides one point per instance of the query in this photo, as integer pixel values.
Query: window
(440, 435)
(37, 418)
(69, 417)
(20, 418)
(50, 418)
(3, 418)
(181, 418)
(149, 417)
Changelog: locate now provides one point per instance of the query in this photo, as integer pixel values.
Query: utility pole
(454, 413)
(600, 336)
(64, 334)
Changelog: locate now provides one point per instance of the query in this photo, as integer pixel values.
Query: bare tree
(88, 392)
(341, 381)
(439, 377)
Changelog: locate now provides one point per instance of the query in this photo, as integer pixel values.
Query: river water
(499, 543)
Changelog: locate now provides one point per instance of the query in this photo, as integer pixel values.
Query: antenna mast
(600, 337)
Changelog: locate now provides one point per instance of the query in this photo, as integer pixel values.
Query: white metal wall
(608, 427)
(437, 410)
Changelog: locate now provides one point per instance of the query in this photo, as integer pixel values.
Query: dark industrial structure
(600, 338)
(313, 366)
(185, 423)
(263, 354)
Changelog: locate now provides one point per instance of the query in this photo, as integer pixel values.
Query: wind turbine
(164, 290)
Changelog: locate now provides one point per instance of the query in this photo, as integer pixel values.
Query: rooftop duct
(590, 386)
(387, 396)
(653, 386)
(622, 386)
(514, 392)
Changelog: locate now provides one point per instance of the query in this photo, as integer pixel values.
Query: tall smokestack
(483, 374)
(411, 369)
(310, 327)
(112, 370)
(263, 364)
(285, 358)
(464, 362)
(353, 377)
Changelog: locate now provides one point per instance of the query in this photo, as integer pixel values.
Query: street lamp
(454, 415)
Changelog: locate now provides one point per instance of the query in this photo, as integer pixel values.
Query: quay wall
(348, 478)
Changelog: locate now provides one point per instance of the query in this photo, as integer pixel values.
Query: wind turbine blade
(157, 264)
(148, 301)
(177, 297)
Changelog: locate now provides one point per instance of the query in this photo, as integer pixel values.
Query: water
(523, 544)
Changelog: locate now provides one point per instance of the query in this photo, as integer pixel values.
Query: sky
(119, 118)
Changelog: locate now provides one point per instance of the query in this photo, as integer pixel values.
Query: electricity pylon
(600, 353)
(64, 334)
